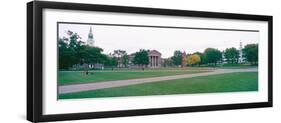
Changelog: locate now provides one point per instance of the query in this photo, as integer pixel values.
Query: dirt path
(118, 83)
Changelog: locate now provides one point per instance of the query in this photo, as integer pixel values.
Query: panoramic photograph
(114, 60)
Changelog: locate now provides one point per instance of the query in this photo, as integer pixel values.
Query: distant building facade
(155, 60)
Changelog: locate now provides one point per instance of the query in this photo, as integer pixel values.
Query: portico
(154, 59)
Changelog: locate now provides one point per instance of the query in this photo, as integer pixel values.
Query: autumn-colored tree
(193, 59)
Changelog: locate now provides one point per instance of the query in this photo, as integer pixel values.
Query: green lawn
(231, 82)
(236, 66)
(76, 77)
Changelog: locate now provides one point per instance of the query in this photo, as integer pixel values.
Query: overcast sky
(164, 40)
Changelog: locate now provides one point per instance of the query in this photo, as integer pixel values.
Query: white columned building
(154, 59)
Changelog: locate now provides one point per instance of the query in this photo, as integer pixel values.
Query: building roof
(154, 52)
(150, 53)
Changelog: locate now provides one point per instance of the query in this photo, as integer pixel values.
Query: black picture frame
(35, 69)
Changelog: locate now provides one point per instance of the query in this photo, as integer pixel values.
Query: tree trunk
(86, 68)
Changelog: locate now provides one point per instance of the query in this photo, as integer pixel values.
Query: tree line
(73, 52)
(212, 56)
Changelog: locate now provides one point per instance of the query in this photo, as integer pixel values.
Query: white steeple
(90, 40)
(240, 60)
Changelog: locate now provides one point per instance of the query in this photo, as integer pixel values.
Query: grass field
(231, 82)
(227, 66)
(76, 77)
(236, 66)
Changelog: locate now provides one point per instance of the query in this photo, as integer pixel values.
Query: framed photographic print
(96, 61)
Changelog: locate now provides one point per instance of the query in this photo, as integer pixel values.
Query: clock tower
(90, 40)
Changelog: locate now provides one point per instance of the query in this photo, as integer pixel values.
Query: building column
(153, 63)
(150, 61)
(157, 61)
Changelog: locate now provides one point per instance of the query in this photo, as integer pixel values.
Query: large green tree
(66, 55)
(251, 53)
(111, 62)
(168, 62)
(177, 57)
(141, 58)
(125, 60)
(212, 56)
(231, 55)
(68, 50)
(91, 55)
(121, 56)
(72, 51)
